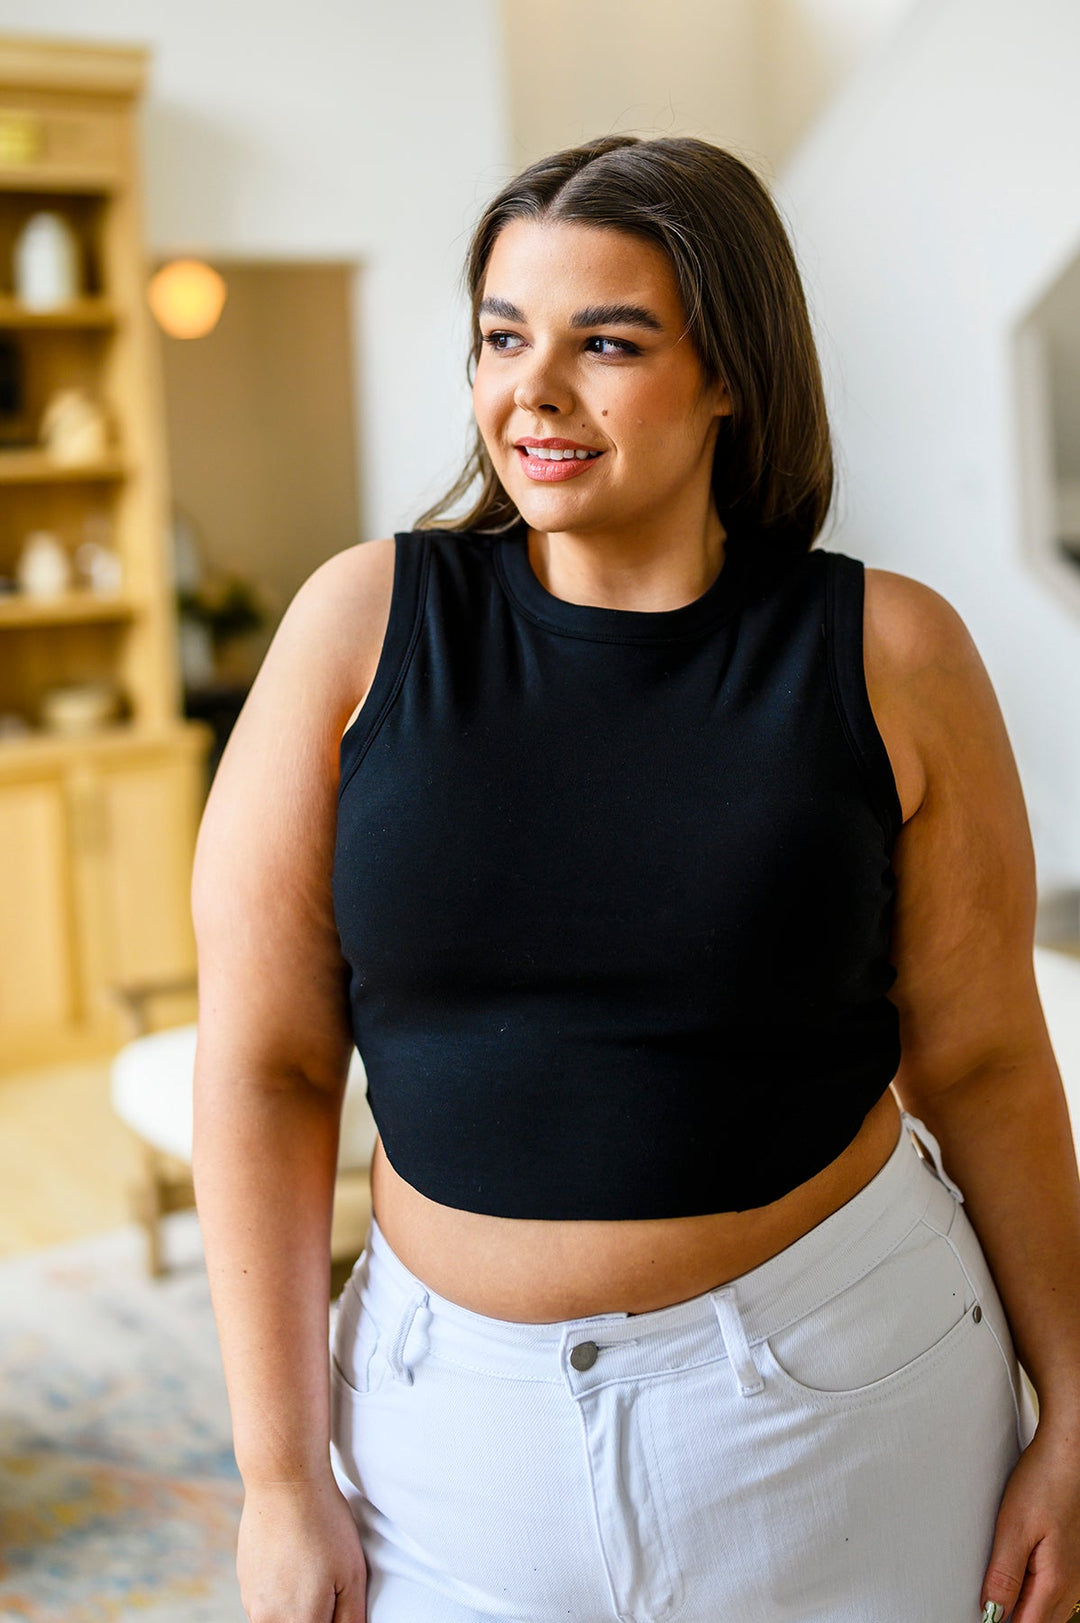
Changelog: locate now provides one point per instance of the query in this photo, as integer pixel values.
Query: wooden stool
(152, 1091)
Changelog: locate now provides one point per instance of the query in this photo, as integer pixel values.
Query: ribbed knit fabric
(614, 886)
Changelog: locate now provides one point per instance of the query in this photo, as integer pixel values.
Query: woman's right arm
(274, 1042)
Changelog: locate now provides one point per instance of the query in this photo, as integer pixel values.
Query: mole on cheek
(603, 414)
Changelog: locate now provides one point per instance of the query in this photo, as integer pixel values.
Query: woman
(673, 878)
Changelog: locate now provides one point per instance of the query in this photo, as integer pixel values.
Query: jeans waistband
(838, 1251)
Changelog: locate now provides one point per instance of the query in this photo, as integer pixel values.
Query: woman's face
(583, 344)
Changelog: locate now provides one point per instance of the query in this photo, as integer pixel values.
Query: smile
(548, 466)
(558, 453)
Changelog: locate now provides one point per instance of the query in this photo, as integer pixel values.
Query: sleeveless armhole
(412, 560)
(845, 584)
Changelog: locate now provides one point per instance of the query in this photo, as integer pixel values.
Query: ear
(723, 405)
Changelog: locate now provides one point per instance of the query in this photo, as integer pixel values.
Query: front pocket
(356, 1359)
(965, 1241)
(363, 1374)
(886, 1325)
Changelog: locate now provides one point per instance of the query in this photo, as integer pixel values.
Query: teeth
(547, 455)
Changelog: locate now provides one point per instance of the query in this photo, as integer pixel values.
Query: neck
(629, 569)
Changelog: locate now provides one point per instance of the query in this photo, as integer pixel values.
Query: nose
(539, 387)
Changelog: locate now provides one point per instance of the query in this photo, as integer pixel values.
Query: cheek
(483, 410)
(665, 418)
(491, 400)
(646, 409)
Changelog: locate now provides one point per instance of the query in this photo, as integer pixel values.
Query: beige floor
(65, 1159)
(67, 1163)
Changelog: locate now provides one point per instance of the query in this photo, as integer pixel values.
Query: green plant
(227, 604)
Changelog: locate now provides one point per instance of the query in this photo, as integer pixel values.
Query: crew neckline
(717, 603)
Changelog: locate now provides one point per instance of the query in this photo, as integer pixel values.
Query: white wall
(810, 49)
(751, 75)
(932, 205)
(694, 67)
(339, 128)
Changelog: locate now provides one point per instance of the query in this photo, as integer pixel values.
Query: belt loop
(736, 1345)
(914, 1125)
(394, 1357)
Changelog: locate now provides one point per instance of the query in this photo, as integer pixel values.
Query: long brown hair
(746, 315)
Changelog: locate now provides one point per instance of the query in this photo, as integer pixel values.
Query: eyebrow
(594, 315)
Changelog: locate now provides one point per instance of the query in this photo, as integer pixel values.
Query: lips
(555, 445)
(548, 470)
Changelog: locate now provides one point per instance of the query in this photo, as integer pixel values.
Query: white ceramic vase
(46, 262)
(43, 567)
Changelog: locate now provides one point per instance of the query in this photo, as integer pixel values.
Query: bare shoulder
(969, 831)
(924, 676)
(334, 628)
(269, 961)
(346, 600)
(964, 861)
(367, 583)
(911, 628)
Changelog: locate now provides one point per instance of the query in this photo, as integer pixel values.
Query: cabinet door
(138, 825)
(38, 985)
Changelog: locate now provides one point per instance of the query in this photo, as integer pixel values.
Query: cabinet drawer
(38, 987)
(60, 146)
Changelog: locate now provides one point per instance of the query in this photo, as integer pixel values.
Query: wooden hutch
(97, 829)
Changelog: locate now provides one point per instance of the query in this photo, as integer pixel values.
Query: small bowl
(81, 707)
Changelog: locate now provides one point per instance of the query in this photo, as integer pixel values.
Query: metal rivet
(584, 1355)
(976, 1313)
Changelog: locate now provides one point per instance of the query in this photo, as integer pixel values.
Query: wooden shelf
(75, 180)
(67, 608)
(38, 749)
(97, 829)
(89, 312)
(38, 468)
(74, 66)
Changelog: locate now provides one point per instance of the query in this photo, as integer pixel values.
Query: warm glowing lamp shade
(187, 297)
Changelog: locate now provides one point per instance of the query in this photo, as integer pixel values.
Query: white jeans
(824, 1439)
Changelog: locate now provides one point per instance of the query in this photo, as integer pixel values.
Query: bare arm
(977, 1062)
(274, 1039)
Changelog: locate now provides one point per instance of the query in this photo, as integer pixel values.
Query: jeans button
(584, 1355)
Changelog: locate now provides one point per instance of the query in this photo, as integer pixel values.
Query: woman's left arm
(977, 1062)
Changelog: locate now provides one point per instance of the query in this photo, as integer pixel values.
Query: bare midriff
(541, 1270)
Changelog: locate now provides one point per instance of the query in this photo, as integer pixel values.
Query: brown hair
(746, 315)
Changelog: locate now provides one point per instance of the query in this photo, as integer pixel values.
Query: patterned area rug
(119, 1493)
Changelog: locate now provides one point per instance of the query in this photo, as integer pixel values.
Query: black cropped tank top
(614, 887)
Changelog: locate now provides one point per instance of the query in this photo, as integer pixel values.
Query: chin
(555, 509)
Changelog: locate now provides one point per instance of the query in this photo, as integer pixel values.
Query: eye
(495, 341)
(623, 345)
(508, 343)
